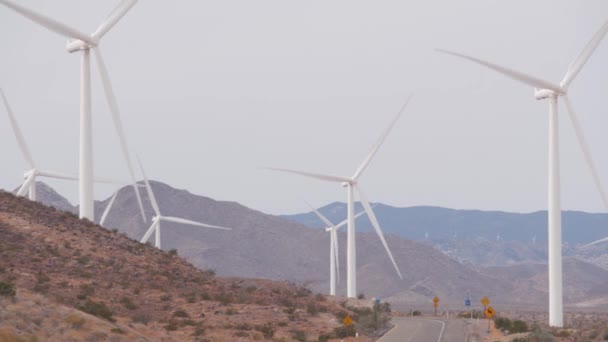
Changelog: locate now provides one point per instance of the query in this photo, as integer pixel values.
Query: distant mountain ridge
(443, 223)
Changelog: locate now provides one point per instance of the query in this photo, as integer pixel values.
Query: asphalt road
(425, 330)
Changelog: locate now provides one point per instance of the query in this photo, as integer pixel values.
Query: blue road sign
(467, 302)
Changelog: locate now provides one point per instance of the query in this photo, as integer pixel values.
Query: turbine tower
(352, 185)
(545, 90)
(334, 260)
(81, 42)
(155, 227)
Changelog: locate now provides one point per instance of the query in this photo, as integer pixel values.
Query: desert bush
(171, 326)
(345, 331)
(324, 338)
(266, 329)
(98, 309)
(181, 314)
(519, 326)
(126, 301)
(502, 323)
(7, 289)
(298, 335)
(117, 331)
(191, 297)
(416, 313)
(312, 309)
(361, 296)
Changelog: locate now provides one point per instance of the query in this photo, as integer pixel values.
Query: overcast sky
(212, 90)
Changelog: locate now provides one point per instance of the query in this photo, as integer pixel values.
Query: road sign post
(436, 304)
(485, 301)
(489, 311)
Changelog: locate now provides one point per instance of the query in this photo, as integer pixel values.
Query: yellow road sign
(436, 300)
(347, 320)
(490, 312)
(485, 301)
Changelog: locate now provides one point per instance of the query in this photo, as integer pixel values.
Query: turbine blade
(584, 56)
(149, 189)
(320, 216)
(596, 242)
(113, 104)
(372, 218)
(149, 231)
(26, 185)
(343, 223)
(49, 23)
(380, 141)
(328, 178)
(582, 141)
(25, 151)
(107, 209)
(193, 223)
(58, 175)
(112, 19)
(516, 75)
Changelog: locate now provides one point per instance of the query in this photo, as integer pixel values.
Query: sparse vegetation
(7, 289)
(98, 309)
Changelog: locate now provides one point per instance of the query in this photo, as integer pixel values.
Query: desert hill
(65, 271)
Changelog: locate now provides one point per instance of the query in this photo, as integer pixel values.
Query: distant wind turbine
(84, 43)
(334, 260)
(550, 91)
(352, 184)
(29, 185)
(156, 220)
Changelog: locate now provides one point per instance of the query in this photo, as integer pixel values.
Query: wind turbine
(84, 43)
(156, 220)
(545, 90)
(334, 260)
(352, 184)
(29, 185)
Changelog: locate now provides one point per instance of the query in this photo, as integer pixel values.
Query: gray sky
(211, 90)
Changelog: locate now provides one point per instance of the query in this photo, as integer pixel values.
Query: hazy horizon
(209, 94)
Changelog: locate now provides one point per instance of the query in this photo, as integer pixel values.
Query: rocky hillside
(67, 279)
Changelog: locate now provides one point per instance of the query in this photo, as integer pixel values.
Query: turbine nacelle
(75, 45)
(543, 94)
(347, 184)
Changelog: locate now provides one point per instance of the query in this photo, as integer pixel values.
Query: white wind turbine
(84, 43)
(550, 91)
(156, 220)
(334, 260)
(352, 184)
(29, 185)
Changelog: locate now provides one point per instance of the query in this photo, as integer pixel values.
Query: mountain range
(279, 248)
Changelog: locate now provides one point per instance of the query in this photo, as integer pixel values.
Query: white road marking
(414, 333)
